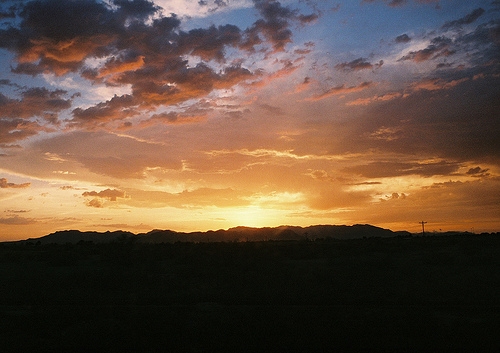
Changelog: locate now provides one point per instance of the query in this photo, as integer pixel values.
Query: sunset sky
(197, 115)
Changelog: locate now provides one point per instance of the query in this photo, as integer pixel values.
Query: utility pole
(423, 230)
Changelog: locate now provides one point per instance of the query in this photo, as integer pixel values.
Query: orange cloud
(16, 220)
(110, 194)
(380, 98)
(116, 66)
(150, 56)
(340, 90)
(437, 84)
(173, 118)
(4, 184)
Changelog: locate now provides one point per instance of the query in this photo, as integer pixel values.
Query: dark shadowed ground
(420, 294)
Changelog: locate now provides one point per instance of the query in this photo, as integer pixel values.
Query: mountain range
(235, 234)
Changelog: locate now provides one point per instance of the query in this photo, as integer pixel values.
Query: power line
(423, 229)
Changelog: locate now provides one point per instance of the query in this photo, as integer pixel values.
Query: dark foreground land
(419, 294)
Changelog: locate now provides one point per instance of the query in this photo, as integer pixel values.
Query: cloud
(399, 3)
(358, 64)
(439, 47)
(274, 111)
(340, 90)
(385, 169)
(12, 130)
(117, 107)
(467, 19)
(387, 134)
(17, 220)
(17, 211)
(69, 187)
(274, 25)
(396, 3)
(139, 47)
(200, 197)
(209, 44)
(449, 126)
(432, 84)
(37, 101)
(477, 171)
(119, 156)
(4, 184)
(17, 115)
(334, 198)
(94, 203)
(174, 118)
(403, 38)
(302, 86)
(379, 98)
(110, 194)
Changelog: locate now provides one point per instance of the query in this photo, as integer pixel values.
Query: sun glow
(254, 216)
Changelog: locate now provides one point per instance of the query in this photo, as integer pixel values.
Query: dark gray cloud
(115, 108)
(482, 45)
(15, 129)
(150, 56)
(450, 125)
(467, 19)
(439, 47)
(358, 64)
(403, 38)
(16, 114)
(399, 3)
(7, 13)
(36, 101)
(275, 23)
(477, 171)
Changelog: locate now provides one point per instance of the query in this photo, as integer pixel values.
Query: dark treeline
(375, 294)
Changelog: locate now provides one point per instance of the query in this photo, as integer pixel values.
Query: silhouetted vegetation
(376, 294)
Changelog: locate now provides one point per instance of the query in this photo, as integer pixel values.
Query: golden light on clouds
(205, 115)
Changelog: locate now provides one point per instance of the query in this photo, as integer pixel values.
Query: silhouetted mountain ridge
(281, 233)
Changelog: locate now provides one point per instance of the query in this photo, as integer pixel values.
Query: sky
(203, 115)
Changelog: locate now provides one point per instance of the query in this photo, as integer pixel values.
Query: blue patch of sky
(360, 29)
(18, 82)
(243, 18)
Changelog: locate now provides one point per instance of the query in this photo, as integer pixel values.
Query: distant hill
(75, 236)
(281, 233)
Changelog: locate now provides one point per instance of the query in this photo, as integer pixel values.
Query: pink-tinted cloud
(437, 84)
(341, 90)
